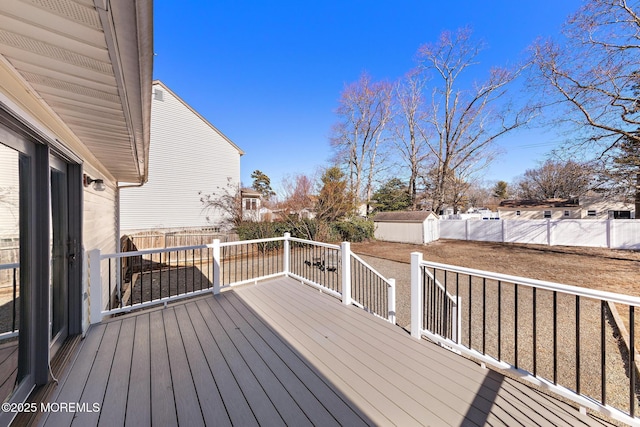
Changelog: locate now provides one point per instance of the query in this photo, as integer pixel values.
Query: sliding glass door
(59, 242)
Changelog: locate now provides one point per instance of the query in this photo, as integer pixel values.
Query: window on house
(158, 95)
(591, 213)
(566, 213)
(547, 214)
(250, 204)
(517, 213)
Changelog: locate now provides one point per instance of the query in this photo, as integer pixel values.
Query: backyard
(603, 269)
(597, 268)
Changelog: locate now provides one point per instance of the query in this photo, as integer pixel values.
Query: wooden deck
(281, 353)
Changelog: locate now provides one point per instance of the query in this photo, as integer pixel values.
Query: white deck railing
(127, 281)
(559, 337)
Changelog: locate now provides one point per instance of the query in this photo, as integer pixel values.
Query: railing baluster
(535, 334)
(470, 279)
(555, 337)
(632, 362)
(499, 320)
(110, 273)
(577, 344)
(515, 322)
(484, 315)
(603, 354)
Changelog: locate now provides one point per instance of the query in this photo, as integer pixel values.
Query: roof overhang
(87, 66)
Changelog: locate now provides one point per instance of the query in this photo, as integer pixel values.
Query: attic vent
(158, 95)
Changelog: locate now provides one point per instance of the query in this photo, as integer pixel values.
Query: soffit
(71, 55)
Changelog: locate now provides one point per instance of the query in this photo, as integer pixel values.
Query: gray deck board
(286, 406)
(211, 403)
(256, 396)
(184, 390)
(236, 405)
(281, 353)
(321, 404)
(139, 393)
(163, 410)
(118, 385)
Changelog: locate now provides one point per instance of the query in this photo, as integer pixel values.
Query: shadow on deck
(281, 353)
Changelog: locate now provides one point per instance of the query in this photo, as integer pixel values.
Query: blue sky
(269, 74)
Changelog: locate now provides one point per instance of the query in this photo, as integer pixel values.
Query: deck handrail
(13, 332)
(251, 255)
(498, 334)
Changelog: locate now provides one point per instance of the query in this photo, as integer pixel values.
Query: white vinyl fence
(608, 233)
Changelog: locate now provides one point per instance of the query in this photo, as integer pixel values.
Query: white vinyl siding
(9, 194)
(100, 225)
(187, 155)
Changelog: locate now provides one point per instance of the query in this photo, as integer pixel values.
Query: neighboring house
(188, 158)
(595, 206)
(537, 209)
(251, 205)
(75, 78)
(417, 227)
(591, 206)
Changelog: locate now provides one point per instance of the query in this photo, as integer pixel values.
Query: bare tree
(364, 112)
(225, 204)
(465, 123)
(410, 136)
(556, 180)
(298, 193)
(592, 80)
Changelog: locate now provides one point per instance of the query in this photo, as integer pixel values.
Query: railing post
(456, 318)
(287, 253)
(416, 295)
(216, 266)
(346, 272)
(392, 301)
(95, 287)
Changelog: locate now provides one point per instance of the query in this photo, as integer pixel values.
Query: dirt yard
(597, 268)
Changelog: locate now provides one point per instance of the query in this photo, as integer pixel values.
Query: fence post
(287, 253)
(609, 234)
(95, 287)
(216, 266)
(416, 295)
(392, 301)
(346, 272)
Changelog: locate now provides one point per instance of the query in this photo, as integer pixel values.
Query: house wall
(186, 156)
(538, 213)
(100, 227)
(602, 207)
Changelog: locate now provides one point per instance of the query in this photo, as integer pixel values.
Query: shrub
(353, 230)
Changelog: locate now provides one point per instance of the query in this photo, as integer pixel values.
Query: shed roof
(413, 216)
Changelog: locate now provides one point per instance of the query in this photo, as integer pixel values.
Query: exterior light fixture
(98, 184)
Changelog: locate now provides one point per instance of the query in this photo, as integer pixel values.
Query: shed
(418, 227)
